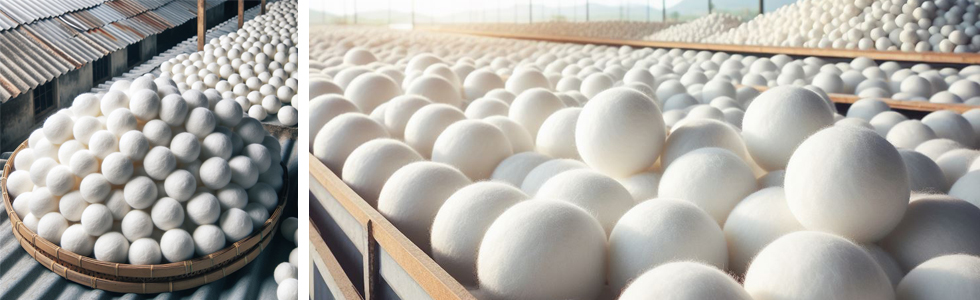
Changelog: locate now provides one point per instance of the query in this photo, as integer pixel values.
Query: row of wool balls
(142, 174)
(286, 274)
(257, 65)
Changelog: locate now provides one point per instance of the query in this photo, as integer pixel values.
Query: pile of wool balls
(643, 173)
(599, 29)
(257, 66)
(287, 273)
(695, 31)
(143, 174)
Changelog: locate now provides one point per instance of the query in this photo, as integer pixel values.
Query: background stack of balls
(255, 66)
(287, 273)
(695, 31)
(143, 174)
(533, 170)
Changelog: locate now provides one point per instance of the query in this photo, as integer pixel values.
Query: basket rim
(140, 273)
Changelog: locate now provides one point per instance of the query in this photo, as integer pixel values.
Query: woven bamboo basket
(144, 279)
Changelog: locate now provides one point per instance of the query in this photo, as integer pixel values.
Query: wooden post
(241, 13)
(664, 10)
(262, 10)
(201, 25)
(762, 8)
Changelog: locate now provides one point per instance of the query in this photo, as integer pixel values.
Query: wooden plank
(201, 24)
(925, 57)
(330, 268)
(895, 104)
(241, 13)
(429, 275)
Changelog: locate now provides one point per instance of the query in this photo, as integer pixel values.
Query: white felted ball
(413, 195)
(60, 180)
(885, 121)
(756, 221)
(325, 108)
(815, 265)
(30, 221)
(231, 196)
(117, 168)
(486, 107)
(167, 214)
(288, 289)
(259, 155)
(117, 205)
(185, 147)
(285, 271)
(426, 124)
(957, 163)
(228, 113)
(526, 79)
(243, 171)
(520, 139)
(43, 202)
(342, 135)
(137, 224)
(111, 247)
(933, 226)
(140, 192)
(288, 228)
(481, 81)
(544, 171)
(946, 277)
(399, 110)
(257, 112)
(924, 174)
(76, 240)
(532, 107)
(19, 182)
(690, 135)
(157, 132)
(886, 262)
(559, 257)
(86, 104)
(217, 144)
(271, 104)
(620, 110)
(264, 194)
(777, 121)
(102, 144)
(730, 179)
(595, 83)
(236, 224)
(85, 127)
(45, 148)
(97, 219)
(556, 137)
(51, 227)
(83, 163)
(58, 128)
(24, 159)
(22, 205)
(203, 209)
(369, 90)
(685, 280)
(643, 186)
(112, 100)
(294, 255)
(910, 134)
(215, 173)
(67, 149)
(134, 144)
(173, 110)
(40, 169)
(257, 213)
(208, 239)
(180, 185)
(458, 144)
(288, 116)
(937, 147)
(145, 104)
(515, 168)
(677, 229)
(120, 122)
(176, 245)
(369, 166)
(950, 125)
(145, 251)
(95, 188)
(821, 190)
(603, 197)
(201, 122)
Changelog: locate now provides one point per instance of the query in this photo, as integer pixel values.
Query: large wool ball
(532, 107)
(481, 81)
(76, 240)
(145, 251)
(426, 124)
(342, 135)
(203, 209)
(544, 171)
(954, 276)
(158, 132)
(58, 128)
(325, 108)
(201, 122)
(134, 144)
(486, 107)
(96, 219)
(180, 185)
(603, 197)
(685, 280)
(924, 174)
(910, 134)
(60, 180)
(515, 168)
(215, 173)
(957, 163)
(113, 100)
(176, 245)
(520, 139)
(86, 104)
(185, 147)
(236, 224)
(24, 159)
(556, 136)
(173, 110)
(562, 256)
(263, 194)
(596, 83)
(867, 108)
(288, 289)
(369, 166)
(102, 143)
(84, 128)
(117, 204)
(599, 138)
(208, 239)
(756, 221)
(94, 188)
(159, 162)
(950, 125)
(526, 79)
(144, 104)
(40, 168)
(243, 171)
(42, 202)
(217, 144)
(117, 168)
(66, 150)
(111, 247)
(51, 227)
(777, 121)
(399, 110)
(730, 179)
(167, 214)
(19, 182)
(937, 147)
(413, 195)
(691, 135)
(816, 265)
(472, 146)
(231, 196)
(435, 88)
(821, 190)
(643, 186)
(934, 225)
(228, 113)
(120, 122)
(462, 221)
(369, 90)
(677, 229)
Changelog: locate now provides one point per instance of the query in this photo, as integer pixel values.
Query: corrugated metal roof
(43, 41)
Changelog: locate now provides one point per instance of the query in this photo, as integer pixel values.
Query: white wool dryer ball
(369, 90)
(603, 197)
(816, 265)
(173, 110)
(532, 107)
(144, 104)
(685, 280)
(924, 174)
(264, 194)
(217, 144)
(601, 138)
(937, 147)
(910, 134)
(472, 146)
(158, 132)
(236, 224)
(426, 124)
(96, 219)
(413, 195)
(288, 116)
(243, 171)
(40, 169)
(51, 227)
(559, 257)
(556, 137)
(176, 245)
(460, 224)
(847, 181)
(777, 121)
(102, 144)
(400, 110)
(111, 247)
(257, 112)
(117, 168)
(643, 186)
(867, 108)
(520, 139)
(933, 226)
(43, 202)
(167, 214)
(957, 163)
(515, 168)
(201, 122)
(215, 173)
(369, 166)
(694, 134)
(228, 113)
(86, 104)
(145, 251)
(208, 239)
(76, 240)
(714, 179)
(950, 277)
(185, 147)
(134, 144)
(481, 81)
(137, 224)
(486, 107)
(951, 125)
(203, 209)
(544, 171)
(121, 121)
(325, 108)
(24, 159)
(140, 192)
(95, 188)
(58, 128)
(342, 135)
(285, 271)
(19, 182)
(678, 230)
(288, 228)
(756, 221)
(288, 289)
(83, 163)
(180, 185)
(85, 127)
(232, 195)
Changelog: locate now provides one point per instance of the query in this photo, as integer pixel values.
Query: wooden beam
(241, 13)
(262, 9)
(329, 267)
(201, 25)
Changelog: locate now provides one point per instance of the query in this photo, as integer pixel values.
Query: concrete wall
(148, 48)
(118, 63)
(73, 83)
(16, 121)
